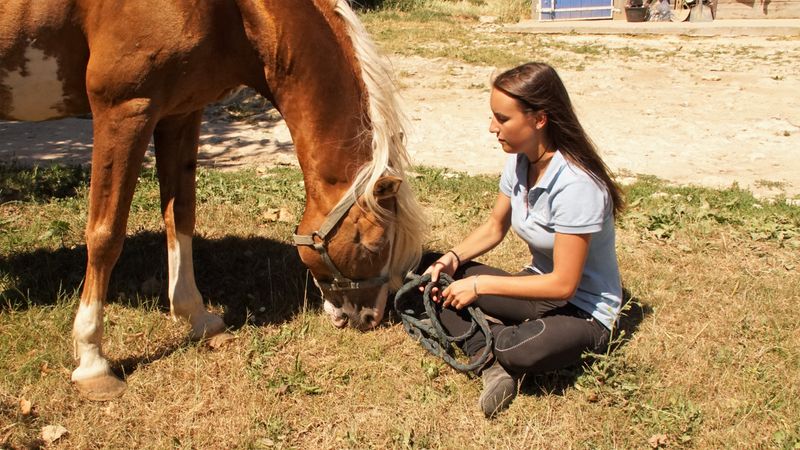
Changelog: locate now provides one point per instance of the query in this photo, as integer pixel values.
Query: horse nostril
(368, 319)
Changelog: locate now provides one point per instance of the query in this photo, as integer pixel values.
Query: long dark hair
(537, 87)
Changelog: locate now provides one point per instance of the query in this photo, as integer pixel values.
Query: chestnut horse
(145, 69)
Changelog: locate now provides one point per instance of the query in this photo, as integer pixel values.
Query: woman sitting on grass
(558, 196)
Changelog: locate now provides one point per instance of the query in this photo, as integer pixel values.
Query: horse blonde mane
(389, 154)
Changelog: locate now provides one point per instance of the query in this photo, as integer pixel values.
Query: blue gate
(575, 9)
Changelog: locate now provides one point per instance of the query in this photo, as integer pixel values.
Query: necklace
(533, 173)
(539, 158)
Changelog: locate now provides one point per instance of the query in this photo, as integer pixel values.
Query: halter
(340, 282)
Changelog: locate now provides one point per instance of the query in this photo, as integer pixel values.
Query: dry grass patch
(709, 357)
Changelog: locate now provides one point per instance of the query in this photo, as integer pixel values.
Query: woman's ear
(540, 119)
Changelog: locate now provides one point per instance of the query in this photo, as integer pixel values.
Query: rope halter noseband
(318, 240)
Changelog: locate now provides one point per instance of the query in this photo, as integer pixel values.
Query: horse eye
(375, 246)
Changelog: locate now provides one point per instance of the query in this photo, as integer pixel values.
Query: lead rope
(429, 332)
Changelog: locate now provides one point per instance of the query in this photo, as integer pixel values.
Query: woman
(558, 196)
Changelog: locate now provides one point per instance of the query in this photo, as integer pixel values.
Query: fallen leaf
(44, 368)
(279, 215)
(658, 440)
(220, 340)
(284, 215)
(52, 433)
(271, 215)
(282, 389)
(25, 407)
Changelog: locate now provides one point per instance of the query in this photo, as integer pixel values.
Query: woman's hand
(460, 293)
(447, 263)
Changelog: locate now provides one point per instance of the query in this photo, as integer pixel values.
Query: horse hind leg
(176, 140)
(121, 135)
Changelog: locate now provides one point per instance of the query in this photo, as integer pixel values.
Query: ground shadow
(557, 382)
(224, 136)
(253, 279)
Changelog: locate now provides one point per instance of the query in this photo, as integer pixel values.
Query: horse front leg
(176, 140)
(121, 135)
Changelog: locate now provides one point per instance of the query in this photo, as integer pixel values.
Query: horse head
(350, 255)
(361, 231)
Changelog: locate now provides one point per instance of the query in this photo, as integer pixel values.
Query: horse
(146, 69)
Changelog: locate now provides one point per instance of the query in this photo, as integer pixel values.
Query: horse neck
(314, 79)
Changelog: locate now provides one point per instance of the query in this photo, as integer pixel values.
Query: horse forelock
(389, 154)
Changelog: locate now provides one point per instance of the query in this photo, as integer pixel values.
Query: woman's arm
(569, 256)
(489, 234)
(479, 241)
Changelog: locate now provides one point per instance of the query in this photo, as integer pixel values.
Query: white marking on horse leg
(185, 300)
(87, 333)
(36, 91)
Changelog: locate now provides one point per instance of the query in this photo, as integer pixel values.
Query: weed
(41, 184)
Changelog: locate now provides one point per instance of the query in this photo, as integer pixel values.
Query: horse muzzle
(352, 311)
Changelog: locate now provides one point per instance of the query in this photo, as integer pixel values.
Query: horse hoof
(209, 328)
(102, 388)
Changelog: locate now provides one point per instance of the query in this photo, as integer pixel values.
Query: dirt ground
(699, 118)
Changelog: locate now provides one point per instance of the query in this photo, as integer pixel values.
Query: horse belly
(36, 91)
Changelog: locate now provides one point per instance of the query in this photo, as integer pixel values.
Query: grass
(707, 356)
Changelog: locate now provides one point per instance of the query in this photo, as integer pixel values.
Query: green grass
(706, 357)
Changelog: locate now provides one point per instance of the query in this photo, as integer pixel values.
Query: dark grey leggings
(536, 336)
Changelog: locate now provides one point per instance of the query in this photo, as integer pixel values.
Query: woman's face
(516, 129)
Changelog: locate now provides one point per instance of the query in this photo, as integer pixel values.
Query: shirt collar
(557, 163)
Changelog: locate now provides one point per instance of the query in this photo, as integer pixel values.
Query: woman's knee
(516, 347)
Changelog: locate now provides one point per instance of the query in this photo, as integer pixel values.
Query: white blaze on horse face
(338, 317)
(36, 92)
(87, 334)
(185, 299)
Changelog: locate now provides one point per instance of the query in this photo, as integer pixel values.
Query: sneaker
(499, 389)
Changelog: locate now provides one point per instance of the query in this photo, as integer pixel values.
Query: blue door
(575, 9)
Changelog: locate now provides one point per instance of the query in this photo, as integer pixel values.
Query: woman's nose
(493, 128)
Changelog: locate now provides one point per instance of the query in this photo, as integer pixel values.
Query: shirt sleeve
(509, 176)
(579, 207)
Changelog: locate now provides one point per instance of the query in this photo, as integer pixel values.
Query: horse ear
(386, 186)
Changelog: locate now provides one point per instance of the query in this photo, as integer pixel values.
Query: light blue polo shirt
(567, 200)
